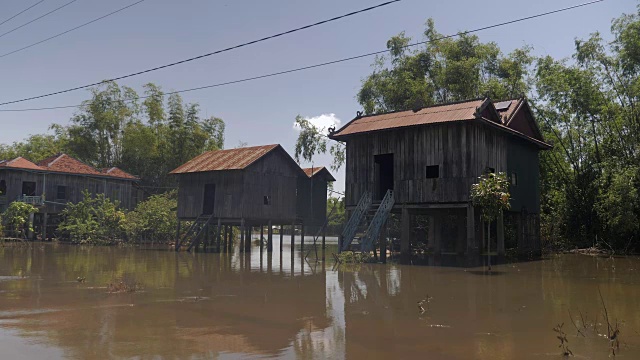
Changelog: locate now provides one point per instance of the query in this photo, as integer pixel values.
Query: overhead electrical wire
(70, 30)
(204, 55)
(38, 18)
(319, 64)
(18, 14)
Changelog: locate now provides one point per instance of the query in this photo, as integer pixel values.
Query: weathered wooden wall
(312, 200)
(463, 150)
(277, 177)
(47, 185)
(228, 197)
(522, 159)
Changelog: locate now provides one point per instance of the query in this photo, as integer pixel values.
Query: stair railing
(352, 224)
(373, 231)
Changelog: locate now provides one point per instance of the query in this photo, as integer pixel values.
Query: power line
(38, 18)
(16, 15)
(70, 30)
(205, 55)
(319, 64)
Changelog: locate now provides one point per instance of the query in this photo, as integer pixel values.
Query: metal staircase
(367, 242)
(193, 234)
(352, 224)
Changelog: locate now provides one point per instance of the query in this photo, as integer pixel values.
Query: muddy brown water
(227, 306)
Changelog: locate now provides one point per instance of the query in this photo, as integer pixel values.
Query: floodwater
(229, 306)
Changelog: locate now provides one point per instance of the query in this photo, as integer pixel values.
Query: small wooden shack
(247, 187)
(60, 179)
(430, 157)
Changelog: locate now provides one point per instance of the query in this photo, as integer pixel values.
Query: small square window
(61, 193)
(514, 179)
(433, 171)
(267, 200)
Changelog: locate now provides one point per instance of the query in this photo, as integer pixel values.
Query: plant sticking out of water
(562, 337)
(352, 257)
(613, 332)
(121, 286)
(81, 279)
(424, 302)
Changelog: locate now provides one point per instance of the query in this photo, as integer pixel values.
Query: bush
(94, 220)
(17, 218)
(155, 219)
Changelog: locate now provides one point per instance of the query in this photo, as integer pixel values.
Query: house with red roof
(60, 179)
(422, 162)
(249, 187)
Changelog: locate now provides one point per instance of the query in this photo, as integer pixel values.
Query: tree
(491, 195)
(94, 220)
(155, 218)
(17, 215)
(312, 141)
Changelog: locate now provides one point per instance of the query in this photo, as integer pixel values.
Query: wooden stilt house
(424, 161)
(247, 187)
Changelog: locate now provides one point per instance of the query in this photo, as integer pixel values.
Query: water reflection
(282, 306)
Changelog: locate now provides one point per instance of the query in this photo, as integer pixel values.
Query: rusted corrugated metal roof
(311, 172)
(507, 109)
(430, 115)
(232, 159)
(19, 163)
(67, 164)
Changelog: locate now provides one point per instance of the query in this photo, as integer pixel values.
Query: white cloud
(322, 122)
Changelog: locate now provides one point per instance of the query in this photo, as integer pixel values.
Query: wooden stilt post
(261, 237)
(242, 234)
(270, 238)
(247, 239)
(224, 240)
(324, 243)
(293, 237)
(177, 235)
(500, 229)
(44, 226)
(405, 241)
(383, 243)
(302, 237)
(218, 235)
(281, 237)
(471, 230)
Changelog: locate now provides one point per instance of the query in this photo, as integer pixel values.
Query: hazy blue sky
(156, 32)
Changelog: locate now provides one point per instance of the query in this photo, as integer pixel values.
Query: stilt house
(60, 179)
(251, 186)
(424, 161)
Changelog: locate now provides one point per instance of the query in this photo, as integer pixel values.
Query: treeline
(587, 106)
(147, 135)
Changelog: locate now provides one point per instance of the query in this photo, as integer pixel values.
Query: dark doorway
(3, 187)
(29, 188)
(384, 175)
(209, 199)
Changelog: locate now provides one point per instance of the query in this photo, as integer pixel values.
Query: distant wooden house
(60, 179)
(251, 186)
(430, 157)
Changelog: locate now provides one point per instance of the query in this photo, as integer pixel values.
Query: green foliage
(312, 141)
(16, 216)
(154, 219)
(353, 257)
(37, 147)
(94, 220)
(444, 70)
(491, 194)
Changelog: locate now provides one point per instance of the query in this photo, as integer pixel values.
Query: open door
(209, 199)
(383, 175)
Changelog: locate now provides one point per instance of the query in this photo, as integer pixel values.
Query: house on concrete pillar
(431, 156)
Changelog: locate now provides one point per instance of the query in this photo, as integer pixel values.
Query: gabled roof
(319, 171)
(482, 110)
(66, 164)
(231, 159)
(430, 115)
(117, 172)
(19, 163)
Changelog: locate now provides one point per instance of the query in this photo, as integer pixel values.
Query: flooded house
(60, 179)
(422, 162)
(247, 187)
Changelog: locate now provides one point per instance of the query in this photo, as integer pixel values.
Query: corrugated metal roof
(20, 163)
(311, 172)
(431, 115)
(507, 109)
(67, 164)
(231, 159)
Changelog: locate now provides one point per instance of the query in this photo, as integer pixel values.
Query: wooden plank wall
(522, 159)
(229, 193)
(47, 184)
(463, 150)
(316, 190)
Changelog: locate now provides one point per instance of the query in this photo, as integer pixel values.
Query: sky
(156, 32)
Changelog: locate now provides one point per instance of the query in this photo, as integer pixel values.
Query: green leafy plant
(491, 195)
(94, 220)
(17, 217)
(153, 219)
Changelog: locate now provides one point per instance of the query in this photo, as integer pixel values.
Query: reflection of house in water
(60, 179)
(251, 186)
(427, 159)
